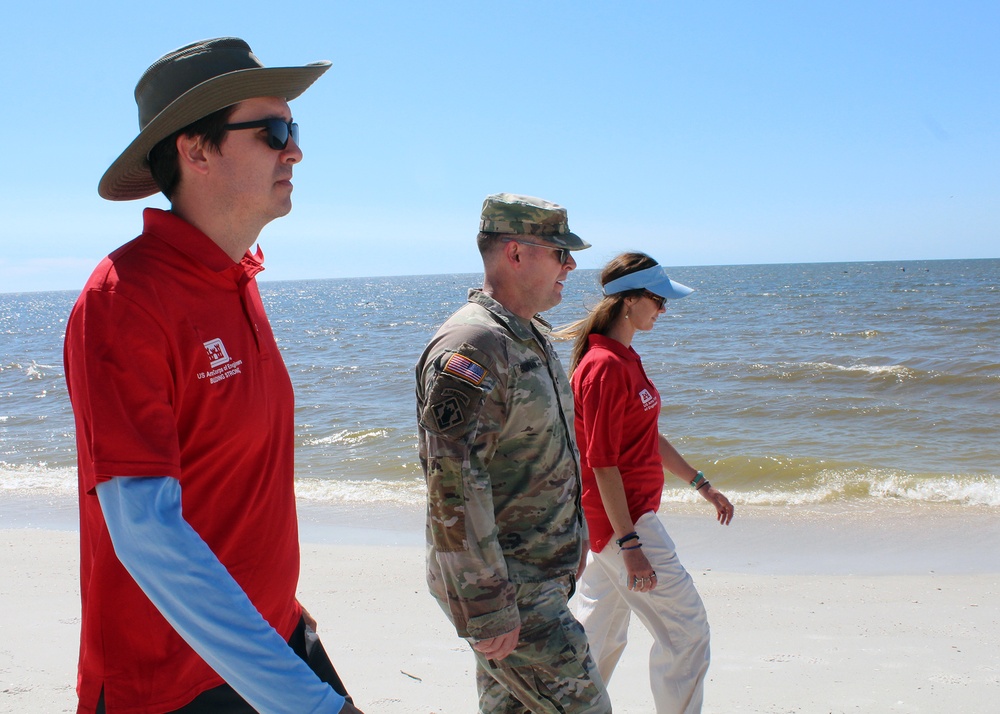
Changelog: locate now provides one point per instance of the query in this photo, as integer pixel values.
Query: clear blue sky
(720, 132)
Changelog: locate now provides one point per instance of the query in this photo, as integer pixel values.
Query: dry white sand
(841, 614)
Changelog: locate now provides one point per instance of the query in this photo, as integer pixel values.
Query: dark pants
(225, 700)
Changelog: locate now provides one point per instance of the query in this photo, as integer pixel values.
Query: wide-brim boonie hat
(654, 279)
(514, 214)
(190, 83)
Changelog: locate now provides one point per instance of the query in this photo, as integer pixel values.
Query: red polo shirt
(173, 370)
(617, 410)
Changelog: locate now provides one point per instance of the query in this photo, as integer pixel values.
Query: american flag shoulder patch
(463, 367)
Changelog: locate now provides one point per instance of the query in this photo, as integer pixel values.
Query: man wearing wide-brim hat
(184, 411)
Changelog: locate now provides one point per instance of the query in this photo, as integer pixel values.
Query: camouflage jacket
(495, 415)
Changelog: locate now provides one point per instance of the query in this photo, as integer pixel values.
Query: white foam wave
(35, 370)
(853, 485)
(756, 497)
(829, 486)
(409, 492)
(41, 480)
(893, 370)
(350, 438)
(866, 334)
(974, 491)
(38, 479)
(798, 370)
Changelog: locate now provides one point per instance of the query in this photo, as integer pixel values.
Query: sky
(703, 133)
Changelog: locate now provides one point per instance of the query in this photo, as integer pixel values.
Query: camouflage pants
(551, 670)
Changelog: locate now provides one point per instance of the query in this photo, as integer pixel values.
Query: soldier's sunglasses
(278, 131)
(562, 254)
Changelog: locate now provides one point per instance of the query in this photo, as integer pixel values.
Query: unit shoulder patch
(456, 392)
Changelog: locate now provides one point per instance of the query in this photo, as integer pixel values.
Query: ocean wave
(775, 481)
(896, 371)
(349, 438)
(864, 334)
(38, 479)
(968, 374)
(407, 492)
(783, 488)
(33, 369)
(752, 482)
(794, 371)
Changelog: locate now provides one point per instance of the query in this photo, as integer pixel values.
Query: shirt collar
(613, 345)
(190, 241)
(518, 325)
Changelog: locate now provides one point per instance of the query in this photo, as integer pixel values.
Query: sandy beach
(811, 611)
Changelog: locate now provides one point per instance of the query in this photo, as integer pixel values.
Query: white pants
(672, 612)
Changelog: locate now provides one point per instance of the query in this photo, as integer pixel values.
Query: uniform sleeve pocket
(456, 394)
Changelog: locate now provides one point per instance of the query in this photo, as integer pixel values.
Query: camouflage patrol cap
(529, 216)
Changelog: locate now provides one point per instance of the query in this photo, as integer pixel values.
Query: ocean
(851, 384)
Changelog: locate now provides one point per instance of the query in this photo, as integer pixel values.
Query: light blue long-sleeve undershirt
(191, 588)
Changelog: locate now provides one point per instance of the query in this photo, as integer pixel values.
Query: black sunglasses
(562, 254)
(660, 301)
(278, 131)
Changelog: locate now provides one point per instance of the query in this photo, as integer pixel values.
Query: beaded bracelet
(625, 539)
(704, 483)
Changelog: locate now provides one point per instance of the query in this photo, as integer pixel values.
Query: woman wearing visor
(633, 566)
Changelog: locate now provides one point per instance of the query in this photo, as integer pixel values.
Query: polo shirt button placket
(243, 280)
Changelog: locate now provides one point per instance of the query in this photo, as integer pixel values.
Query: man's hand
(498, 647)
(583, 559)
(309, 619)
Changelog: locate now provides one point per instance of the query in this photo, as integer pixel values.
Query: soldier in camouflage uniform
(505, 532)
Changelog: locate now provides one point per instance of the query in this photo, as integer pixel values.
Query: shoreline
(887, 538)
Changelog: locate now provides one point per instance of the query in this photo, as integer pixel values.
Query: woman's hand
(723, 508)
(641, 577)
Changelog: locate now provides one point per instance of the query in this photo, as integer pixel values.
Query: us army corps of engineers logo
(220, 363)
(216, 353)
